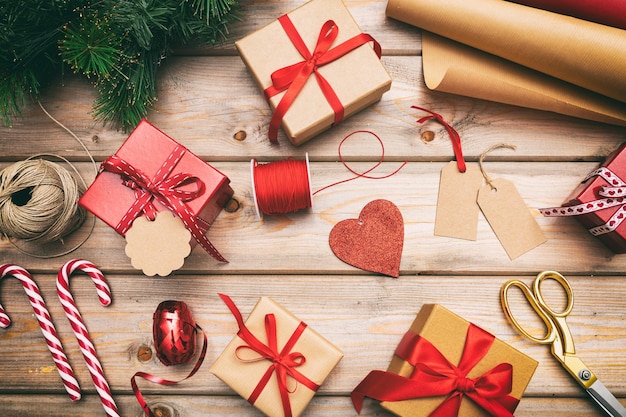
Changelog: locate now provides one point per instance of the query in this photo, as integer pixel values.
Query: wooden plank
(198, 106)
(227, 406)
(298, 242)
(366, 324)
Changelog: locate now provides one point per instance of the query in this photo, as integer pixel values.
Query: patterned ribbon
(292, 78)
(165, 189)
(283, 362)
(613, 196)
(434, 375)
(454, 136)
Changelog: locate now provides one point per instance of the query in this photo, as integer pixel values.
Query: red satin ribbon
(293, 77)
(283, 362)
(166, 189)
(454, 135)
(434, 376)
(161, 381)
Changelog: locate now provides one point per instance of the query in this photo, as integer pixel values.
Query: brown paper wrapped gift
(242, 368)
(445, 332)
(358, 78)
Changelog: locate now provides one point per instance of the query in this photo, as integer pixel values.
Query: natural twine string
(39, 200)
(482, 157)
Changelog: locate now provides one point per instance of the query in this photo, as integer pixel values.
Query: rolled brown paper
(586, 54)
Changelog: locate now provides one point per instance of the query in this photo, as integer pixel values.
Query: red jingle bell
(174, 333)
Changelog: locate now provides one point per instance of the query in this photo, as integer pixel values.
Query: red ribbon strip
(434, 375)
(283, 362)
(452, 133)
(292, 78)
(165, 189)
(161, 381)
(614, 195)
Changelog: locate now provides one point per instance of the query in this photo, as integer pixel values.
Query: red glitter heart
(374, 241)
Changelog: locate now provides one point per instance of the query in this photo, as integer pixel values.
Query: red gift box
(195, 187)
(598, 202)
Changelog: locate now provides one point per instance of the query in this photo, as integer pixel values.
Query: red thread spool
(281, 187)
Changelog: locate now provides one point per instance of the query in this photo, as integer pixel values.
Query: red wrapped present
(151, 172)
(315, 67)
(446, 366)
(599, 202)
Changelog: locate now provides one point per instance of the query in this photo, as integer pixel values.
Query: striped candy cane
(46, 325)
(82, 335)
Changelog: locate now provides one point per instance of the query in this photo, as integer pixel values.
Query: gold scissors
(559, 336)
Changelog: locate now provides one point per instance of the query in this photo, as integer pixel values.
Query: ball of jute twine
(39, 201)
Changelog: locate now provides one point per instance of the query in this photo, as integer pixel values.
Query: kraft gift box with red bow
(276, 362)
(151, 172)
(599, 202)
(447, 366)
(315, 67)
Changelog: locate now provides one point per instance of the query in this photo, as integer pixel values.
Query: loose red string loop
(365, 173)
(452, 133)
(292, 78)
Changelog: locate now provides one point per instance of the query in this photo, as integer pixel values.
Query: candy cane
(82, 335)
(46, 325)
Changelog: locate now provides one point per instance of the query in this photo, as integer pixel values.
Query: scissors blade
(606, 400)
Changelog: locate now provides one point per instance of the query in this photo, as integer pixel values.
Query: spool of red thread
(282, 186)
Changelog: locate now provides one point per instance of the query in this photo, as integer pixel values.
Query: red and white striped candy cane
(82, 335)
(46, 325)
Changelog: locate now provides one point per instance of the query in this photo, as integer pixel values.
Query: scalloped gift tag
(160, 246)
(374, 241)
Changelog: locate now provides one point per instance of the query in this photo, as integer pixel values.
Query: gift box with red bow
(276, 362)
(447, 366)
(599, 202)
(315, 67)
(150, 173)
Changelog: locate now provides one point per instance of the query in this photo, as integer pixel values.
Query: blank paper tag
(457, 211)
(510, 218)
(159, 246)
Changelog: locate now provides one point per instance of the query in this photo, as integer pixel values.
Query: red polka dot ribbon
(613, 196)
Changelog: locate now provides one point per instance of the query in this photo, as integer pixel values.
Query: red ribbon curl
(283, 362)
(434, 375)
(165, 189)
(452, 133)
(292, 78)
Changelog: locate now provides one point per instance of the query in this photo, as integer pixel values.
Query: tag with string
(507, 213)
(457, 211)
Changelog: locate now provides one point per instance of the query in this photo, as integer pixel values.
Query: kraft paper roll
(586, 54)
(452, 67)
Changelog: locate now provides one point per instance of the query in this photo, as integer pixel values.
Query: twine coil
(39, 201)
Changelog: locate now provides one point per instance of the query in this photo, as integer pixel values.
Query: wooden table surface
(206, 99)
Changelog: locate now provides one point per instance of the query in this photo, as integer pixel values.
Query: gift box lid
(358, 78)
(244, 375)
(447, 332)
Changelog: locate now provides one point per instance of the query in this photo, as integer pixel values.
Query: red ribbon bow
(283, 362)
(165, 189)
(293, 77)
(434, 375)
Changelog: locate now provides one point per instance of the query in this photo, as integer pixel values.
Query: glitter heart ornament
(374, 241)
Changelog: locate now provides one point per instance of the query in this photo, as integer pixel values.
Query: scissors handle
(550, 335)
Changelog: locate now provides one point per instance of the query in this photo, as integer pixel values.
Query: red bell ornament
(174, 333)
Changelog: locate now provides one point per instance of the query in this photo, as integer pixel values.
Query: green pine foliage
(117, 44)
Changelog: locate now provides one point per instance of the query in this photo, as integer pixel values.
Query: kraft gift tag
(159, 246)
(457, 211)
(508, 215)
